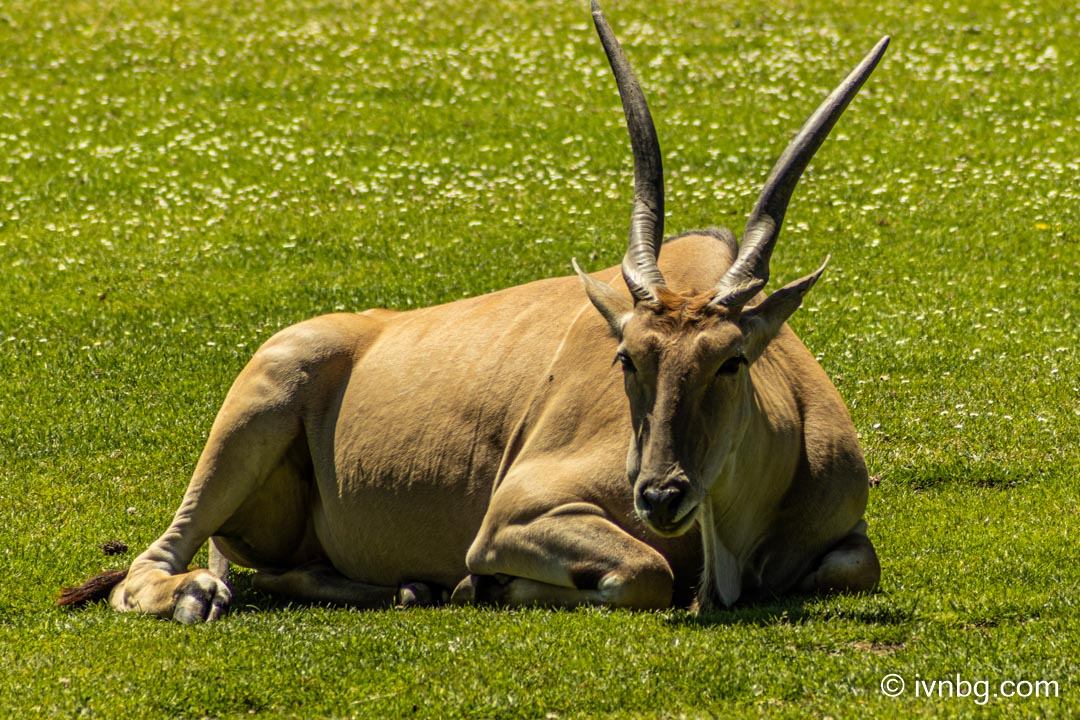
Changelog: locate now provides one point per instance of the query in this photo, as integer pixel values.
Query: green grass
(179, 180)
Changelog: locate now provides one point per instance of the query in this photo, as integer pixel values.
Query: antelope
(490, 450)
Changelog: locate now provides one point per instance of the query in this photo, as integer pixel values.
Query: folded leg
(321, 583)
(850, 566)
(572, 554)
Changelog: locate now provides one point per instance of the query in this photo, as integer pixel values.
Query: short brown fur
(686, 310)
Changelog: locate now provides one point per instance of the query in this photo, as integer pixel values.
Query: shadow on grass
(875, 609)
(863, 609)
(987, 474)
(248, 600)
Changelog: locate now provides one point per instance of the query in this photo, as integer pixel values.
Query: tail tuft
(96, 588)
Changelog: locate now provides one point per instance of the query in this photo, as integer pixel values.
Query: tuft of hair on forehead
(686, 309)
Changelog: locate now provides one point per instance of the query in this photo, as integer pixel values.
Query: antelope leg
(572, 555)
(321, 583)
(849, 566)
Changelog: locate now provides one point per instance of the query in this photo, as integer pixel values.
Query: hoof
(465, 592)
(203, 598)
(481, 590)
(418, 594)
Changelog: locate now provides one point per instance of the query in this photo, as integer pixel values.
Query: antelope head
(686, 357)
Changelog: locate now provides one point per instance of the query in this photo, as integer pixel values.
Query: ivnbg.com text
(981, 691)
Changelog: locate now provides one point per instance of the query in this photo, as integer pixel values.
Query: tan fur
(764, 460)
(488, 438)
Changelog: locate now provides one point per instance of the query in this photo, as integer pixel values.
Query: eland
(540, 445)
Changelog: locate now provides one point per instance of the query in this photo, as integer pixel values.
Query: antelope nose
(661, 505)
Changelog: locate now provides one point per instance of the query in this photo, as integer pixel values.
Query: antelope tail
(96, 588)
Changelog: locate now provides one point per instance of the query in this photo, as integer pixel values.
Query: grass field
(179, 180)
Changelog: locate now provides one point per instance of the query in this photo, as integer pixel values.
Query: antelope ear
(761, 323)
(615, 308)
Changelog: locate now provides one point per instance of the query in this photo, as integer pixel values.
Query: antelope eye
(624, 359)
(731, 365)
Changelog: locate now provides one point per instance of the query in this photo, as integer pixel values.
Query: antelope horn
(750, 271)
(647, 219)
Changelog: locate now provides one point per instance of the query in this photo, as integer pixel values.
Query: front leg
(571, 554)
(190, 597)
(519, 591)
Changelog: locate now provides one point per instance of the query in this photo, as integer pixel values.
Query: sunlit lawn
(179, 180)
